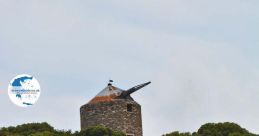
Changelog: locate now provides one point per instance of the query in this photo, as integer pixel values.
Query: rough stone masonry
(114, 108)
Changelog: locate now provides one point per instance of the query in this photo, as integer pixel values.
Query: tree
(27, 129)
(99, 131)
(216, 129)
(44, 129)
(177, 133)
(222, 129)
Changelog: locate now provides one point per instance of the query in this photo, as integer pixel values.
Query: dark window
(129, 107)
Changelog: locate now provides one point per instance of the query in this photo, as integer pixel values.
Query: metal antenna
(110, 82)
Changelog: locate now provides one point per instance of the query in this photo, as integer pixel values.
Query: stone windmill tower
(114, 108)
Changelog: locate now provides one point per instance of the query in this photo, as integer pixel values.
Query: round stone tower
(114, 108)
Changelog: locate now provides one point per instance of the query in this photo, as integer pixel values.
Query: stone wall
(113, 114)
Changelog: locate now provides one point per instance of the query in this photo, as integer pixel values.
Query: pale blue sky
(201, 56)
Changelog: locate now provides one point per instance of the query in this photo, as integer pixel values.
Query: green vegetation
(216, 129)
(44, 129)
(99, 131)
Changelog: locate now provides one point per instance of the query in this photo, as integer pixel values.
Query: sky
(201, 57)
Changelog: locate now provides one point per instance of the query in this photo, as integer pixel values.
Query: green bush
(44, 129)
(176, 133)
(216, 129)
(100, 131)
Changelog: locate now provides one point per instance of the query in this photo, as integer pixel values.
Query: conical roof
(107, 94)
(111, 92)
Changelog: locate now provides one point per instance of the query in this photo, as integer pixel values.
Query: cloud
(200, 56)
(202, 83)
